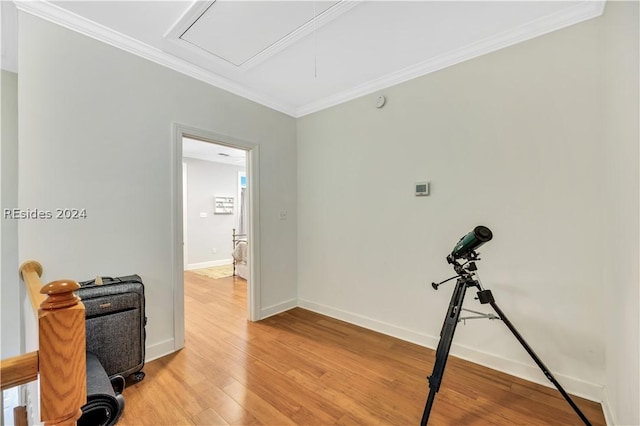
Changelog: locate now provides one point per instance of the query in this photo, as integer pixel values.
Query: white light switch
(203, 214)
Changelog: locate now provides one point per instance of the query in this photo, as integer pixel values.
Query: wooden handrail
(30, 272)
(19, 370)
(61, 358)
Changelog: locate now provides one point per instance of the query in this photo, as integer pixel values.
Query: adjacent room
(215, 216)
(287, 185)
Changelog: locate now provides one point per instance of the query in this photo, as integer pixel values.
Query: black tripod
(467, 278)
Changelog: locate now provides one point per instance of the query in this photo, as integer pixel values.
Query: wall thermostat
(422, 189)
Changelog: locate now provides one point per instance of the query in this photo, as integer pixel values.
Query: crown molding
(76, 23)
(581, 12)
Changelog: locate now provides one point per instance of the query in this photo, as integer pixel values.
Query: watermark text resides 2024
(40, 214)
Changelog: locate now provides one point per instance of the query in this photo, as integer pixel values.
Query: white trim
(324, 18)
(159, 350)
(188, 18)
(279, 308)
(581, 12)
(79, 24)
(370, 323)
(177, 243)
(609, 417)
(176, 44)
(212, 263)
(564, 18)
(253, 212)
(588, 390)
(254, 303)
(185, 233)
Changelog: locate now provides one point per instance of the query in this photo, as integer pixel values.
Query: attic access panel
(239, 31)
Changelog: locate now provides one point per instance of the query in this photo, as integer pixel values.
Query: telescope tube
(471, 241)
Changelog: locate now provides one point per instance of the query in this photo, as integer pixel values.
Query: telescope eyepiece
(470, 242)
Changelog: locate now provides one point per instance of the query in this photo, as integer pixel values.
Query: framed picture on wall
(223, 205)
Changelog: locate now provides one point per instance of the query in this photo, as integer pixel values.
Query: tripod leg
(537, 360)
(442, 352)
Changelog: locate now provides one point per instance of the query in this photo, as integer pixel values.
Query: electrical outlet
(283, 215)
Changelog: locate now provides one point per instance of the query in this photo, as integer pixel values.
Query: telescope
(466, 274)
(465, 248)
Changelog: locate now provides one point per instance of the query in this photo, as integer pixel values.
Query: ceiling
(299, 57)
(200, 150)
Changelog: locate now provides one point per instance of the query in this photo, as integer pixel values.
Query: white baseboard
(192, 266)
(159, 350)
(532, 373)
(609, 417)
(276, 309)
(371, 324)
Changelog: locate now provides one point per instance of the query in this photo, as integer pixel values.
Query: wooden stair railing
(60, 360)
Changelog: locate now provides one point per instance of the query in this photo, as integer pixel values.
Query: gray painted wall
(205, 181)
(512, 140)
(11, 289)
(538, 141)
(96, 133)
(621, 213)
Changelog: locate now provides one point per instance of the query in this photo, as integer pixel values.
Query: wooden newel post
(62, 354)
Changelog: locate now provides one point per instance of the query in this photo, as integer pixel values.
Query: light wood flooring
(302, 368)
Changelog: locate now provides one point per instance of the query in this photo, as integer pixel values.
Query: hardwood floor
(302, 368)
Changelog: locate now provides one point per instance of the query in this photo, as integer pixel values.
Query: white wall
(8, 36)
(96, 133)
(10, 341)
(11, 288)
(510, 140)
(621, 213)
(207, 180)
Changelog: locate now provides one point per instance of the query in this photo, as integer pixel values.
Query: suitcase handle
(91, 282)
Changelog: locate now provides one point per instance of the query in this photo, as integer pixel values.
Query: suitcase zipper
(103, 314)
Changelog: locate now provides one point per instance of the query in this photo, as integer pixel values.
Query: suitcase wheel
(137, 377)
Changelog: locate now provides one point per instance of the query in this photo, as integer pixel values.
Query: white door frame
(253, 231)
(185, 234)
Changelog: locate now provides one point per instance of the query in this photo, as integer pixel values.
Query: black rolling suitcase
(115, 323)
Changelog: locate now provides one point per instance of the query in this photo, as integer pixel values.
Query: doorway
(221, 205)
(214, 209)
